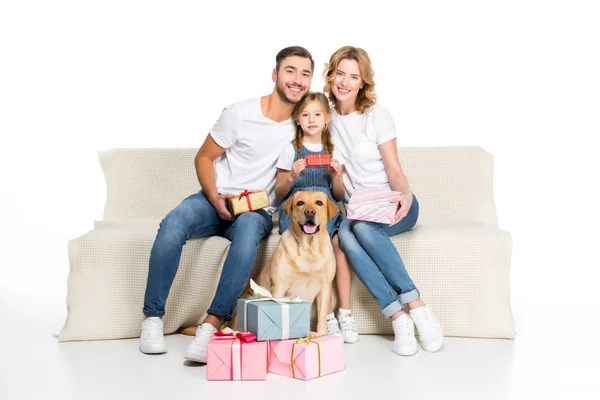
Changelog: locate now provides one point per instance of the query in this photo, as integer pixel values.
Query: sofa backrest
(451, 183)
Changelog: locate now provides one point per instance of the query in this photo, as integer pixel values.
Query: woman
(364, 133)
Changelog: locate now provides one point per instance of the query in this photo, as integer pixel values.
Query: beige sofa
(456, 254)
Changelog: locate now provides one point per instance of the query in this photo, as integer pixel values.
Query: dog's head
(309, 212)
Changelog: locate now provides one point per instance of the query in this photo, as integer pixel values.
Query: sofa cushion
(462, 271)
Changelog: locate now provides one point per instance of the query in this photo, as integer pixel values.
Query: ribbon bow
(308, 340)
(228, 333)
(246, 194)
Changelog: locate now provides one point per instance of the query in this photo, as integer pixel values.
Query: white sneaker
(430, 331)
(152, 340)
(333, 328)
(348, 328)
(405, 343)
(196, 351)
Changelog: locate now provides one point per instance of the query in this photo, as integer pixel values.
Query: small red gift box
(318, 160)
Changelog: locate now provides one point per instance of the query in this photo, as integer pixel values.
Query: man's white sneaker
(152, 340)
(430, 331)
(196, 351)
(405, 343)
(348, 328)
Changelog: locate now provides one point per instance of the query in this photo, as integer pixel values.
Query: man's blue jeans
(376, 261)
(196, 218)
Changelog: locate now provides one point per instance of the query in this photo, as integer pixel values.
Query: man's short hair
(294, 51)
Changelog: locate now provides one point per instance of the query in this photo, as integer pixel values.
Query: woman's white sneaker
(196, 351)
(152, 339)
(430, 331)
(405, 343)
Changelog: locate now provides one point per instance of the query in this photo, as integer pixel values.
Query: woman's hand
(404, 202)
(297, 168)
(335, 168)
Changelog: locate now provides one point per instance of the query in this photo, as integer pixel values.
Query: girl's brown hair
(325, 135)
(366, 97)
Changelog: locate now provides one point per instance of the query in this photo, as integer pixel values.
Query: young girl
(312, 115)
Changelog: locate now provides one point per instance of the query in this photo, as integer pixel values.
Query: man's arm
(205, 171)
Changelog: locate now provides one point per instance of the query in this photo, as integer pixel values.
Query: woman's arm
(396, 178)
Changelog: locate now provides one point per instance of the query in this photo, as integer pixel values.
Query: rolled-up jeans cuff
(407, 297)
(392, 309)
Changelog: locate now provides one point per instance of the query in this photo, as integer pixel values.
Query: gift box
(318, 160)
(272, 318)
(307, 358)
(236, 356)
(249, 201)
(373, 205)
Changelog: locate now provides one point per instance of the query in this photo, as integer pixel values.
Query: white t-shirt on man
(286, 158)
(357, 137)
(253, 144)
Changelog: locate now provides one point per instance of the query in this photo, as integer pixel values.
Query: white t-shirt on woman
(357, 137)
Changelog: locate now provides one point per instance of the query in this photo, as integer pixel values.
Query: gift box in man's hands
(318, 160)
(373, 205)
(249, 201)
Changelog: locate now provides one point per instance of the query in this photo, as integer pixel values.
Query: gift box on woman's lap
(373, 205)
(236, 356)
(307, 358)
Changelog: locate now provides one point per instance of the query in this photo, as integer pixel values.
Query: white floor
(35, 366)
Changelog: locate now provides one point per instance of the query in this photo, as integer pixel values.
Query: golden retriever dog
(303, 263)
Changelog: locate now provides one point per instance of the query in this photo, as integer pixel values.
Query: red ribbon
(245, 337)
(247, 194)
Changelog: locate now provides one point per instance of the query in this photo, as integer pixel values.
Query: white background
(520, 79)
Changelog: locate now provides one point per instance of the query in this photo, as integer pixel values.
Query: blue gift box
(270, 320)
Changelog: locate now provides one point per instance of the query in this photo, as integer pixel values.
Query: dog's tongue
(310, 229)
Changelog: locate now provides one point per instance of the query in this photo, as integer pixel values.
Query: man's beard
(282, 95)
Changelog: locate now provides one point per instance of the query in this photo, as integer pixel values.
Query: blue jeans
(376, 261)
(196, 218)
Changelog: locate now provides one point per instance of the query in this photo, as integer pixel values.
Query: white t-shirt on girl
(253, 144)
(286, 158)
(357, 137)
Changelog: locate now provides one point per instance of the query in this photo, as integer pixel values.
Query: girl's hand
(297, 167)
(335, 168)
(404, 201)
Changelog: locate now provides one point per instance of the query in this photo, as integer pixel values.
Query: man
(239, 153)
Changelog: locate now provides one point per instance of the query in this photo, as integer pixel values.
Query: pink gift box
(373, 205)
(307, 358)
(236, 357)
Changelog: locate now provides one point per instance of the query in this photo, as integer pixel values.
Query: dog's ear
(287, 206)
(332, 208)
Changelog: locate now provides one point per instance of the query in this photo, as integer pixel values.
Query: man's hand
(220, 204)
(297, 168)
(404, 201)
